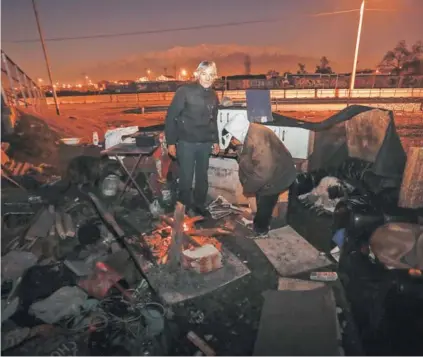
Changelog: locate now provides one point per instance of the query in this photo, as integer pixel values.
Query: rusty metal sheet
(177, 285)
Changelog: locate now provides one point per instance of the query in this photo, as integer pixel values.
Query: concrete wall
(159, 98)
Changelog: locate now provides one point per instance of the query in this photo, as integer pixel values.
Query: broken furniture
(132, 150)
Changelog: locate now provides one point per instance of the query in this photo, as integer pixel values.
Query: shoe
(260, 232)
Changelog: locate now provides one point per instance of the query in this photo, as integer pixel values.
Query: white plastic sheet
(114, 136)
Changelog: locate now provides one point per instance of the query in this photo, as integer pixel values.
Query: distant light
(184, 72)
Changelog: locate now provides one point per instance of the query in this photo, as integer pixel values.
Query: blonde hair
(205, 65)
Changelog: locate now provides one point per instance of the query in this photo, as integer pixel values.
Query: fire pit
(159, 241)
(190, 261)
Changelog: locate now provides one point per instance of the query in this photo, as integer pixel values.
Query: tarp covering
(357, 131)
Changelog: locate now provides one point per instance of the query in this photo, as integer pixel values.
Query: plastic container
(95, 139)
(110, 185)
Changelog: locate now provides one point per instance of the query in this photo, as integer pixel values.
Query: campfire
(198, 249)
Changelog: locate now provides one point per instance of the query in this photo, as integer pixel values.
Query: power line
(148, 32)
(333, 12)
(189, 28)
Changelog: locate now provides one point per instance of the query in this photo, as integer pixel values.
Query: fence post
(3, 94)
(9, 76)
(28, 89)
(18, 77)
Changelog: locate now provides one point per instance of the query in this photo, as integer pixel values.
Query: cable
(97, 317)
(188, 28)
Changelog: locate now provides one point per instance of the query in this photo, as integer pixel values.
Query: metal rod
(128, 180)
(21, 87)
(357, 45)
(29, 89)
(4, 96)
(9, 76)
(134, 182)
(46, 57)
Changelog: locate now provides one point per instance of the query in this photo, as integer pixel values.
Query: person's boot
(260, 232)
(201, 211)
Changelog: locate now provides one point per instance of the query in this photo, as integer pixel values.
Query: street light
(357, 45)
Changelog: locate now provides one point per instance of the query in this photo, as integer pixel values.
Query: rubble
(86, 269)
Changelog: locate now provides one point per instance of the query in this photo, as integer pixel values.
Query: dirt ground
(37, 135)
(233, 326)
(81, 120)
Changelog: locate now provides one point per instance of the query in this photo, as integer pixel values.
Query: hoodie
(238, 127)
(265, 165)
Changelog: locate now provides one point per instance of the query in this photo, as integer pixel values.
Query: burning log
(200, 240)
(179, 233)
(175, 249)
(209, 232)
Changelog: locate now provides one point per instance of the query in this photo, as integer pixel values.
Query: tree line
(402, 59)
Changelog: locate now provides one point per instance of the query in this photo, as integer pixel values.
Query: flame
(165, 258)
(159, 244)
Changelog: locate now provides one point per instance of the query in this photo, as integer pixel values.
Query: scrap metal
(221, 207)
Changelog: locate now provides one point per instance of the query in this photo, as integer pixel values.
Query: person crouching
(266, 168)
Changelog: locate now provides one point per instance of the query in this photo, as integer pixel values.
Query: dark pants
(193, 157)
(265, 206)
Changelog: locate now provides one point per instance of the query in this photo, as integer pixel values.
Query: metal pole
(21, 87)
(46, 57)
(28, 88)
(4, 96)
(357, 45)
(10, 77)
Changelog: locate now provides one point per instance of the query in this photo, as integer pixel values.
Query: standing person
(266, 168)
(191, 134)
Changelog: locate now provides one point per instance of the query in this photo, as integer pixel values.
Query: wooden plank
(411, 194)
(175, 249)
(290, 253)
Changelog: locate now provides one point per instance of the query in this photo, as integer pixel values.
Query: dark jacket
(265, 165)
(192, 115)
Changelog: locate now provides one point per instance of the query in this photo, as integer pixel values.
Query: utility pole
(46, 57)
(357, 45)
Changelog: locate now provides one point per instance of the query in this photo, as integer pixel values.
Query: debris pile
(71, 267)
